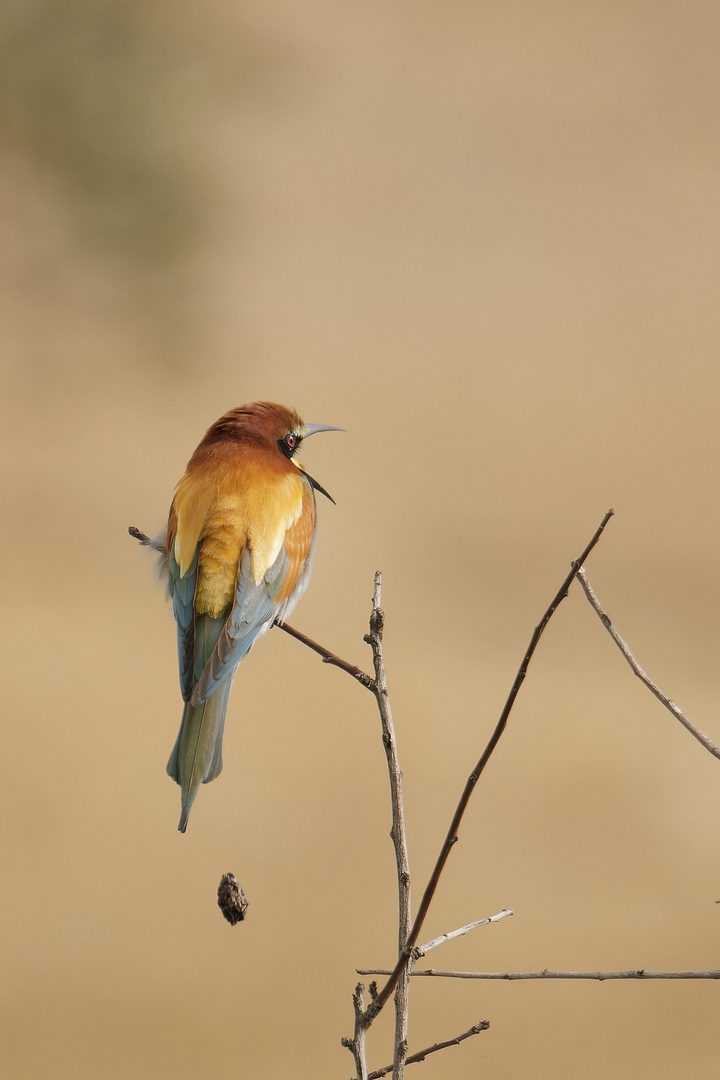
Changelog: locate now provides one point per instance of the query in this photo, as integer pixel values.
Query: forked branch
(377, 686)
(483, 1025)
(452, 833)
(356, 1045)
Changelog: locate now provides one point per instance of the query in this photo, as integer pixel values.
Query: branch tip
(642, 675)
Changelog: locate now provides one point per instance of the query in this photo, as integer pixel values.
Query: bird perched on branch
(237, 556)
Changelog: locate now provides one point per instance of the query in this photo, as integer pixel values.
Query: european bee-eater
(237, 556)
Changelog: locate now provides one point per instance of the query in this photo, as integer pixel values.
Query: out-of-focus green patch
(88, 90)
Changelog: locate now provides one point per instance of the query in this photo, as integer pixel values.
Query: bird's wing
(182, 592)
(182, 566)
(257, 605)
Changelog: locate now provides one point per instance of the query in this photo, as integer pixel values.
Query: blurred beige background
(484, 239)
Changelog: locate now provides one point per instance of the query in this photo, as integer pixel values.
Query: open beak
(313, 429)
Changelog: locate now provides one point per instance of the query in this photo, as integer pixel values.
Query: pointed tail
(197, 755)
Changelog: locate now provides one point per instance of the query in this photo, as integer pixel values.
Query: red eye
(289, 443)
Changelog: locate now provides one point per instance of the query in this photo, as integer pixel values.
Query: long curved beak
(313, 429)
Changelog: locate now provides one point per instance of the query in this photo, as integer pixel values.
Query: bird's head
(290, 442)
(270, 426)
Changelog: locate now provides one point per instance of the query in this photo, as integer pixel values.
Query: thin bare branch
(598, 976)
(420, 950)
(397, 832)
(677, 712)
(356, 1045)
(452, 833)
(483, 1025)
(378, 685)
(329, 657)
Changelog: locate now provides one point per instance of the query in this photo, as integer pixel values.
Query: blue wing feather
(182, 591)
(252, 614)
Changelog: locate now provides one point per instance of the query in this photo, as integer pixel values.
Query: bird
(236, 557)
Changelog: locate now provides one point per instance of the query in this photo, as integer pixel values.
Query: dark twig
(422, 1054)
(642, 675)
(598, 976)
(452, 833)
(329, 657)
